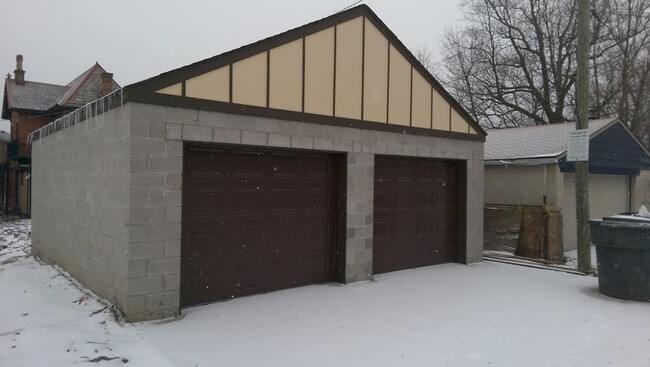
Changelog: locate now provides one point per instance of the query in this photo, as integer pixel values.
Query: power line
(349, 6)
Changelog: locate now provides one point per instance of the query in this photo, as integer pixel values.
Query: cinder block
(146, 250)
(227, 136)
(147, 146)
(254, 138)
(197, 133)
(141, 112)
(174, 148)
(146, 215)
(173, 181)
(323, 144)
(163, 231)
(410, 150)
(180, 115)
(136, 233)
(394, 149)
(169, 265)
(147, 181)
(157, 129)
(145, 285)
(162, 300)
(302, 142)
(165, 164)
(172, 248)
(266, 124)
(279, 140)
(134, 304)
(136, 268)
(174, 131)
(343, 145)
(173, 214)
(172, 282)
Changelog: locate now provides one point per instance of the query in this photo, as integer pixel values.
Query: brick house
(5, 138)
(31, 105)
(326, 153)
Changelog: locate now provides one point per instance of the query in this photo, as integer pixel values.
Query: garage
(415, 214)
(254, 171)
(255, 221)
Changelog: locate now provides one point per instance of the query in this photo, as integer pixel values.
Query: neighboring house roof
(38, 98)
(613, 148)
(534, 142)
(32, 96)
(85, 88)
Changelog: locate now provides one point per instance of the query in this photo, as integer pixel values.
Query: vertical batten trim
(303, 73)
(183, 88)
(268, 78)
(230, 67)
(431, 111)
(411, 100)
(388, 87)
(363, 63)
(334, 84)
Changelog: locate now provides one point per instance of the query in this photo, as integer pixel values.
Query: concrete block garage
(326, 153)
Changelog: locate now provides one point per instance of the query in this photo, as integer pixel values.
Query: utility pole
(582, 122)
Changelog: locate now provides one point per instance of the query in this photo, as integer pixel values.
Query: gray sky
(138, 39)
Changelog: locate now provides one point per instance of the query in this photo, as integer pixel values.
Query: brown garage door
(415, 213)
(255, 221)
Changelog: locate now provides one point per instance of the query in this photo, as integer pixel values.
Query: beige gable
(173, 90)
(285, 79)
(214, 85)
(319, 73)
(350, 70)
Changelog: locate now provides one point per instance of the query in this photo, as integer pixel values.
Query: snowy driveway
(486, 314)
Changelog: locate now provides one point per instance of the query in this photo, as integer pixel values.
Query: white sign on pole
(578, 146)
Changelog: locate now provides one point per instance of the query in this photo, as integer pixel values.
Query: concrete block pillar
(360, 195)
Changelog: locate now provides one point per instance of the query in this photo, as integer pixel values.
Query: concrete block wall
(80, 202)
(146, 187)
(361, 146)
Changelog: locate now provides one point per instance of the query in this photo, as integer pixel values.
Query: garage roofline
(145, 91)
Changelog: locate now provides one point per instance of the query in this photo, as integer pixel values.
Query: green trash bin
(623, 253)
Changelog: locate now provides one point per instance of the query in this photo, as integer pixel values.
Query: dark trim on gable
(411, 100)
(336, 31)
(224, 107)
(268, 78)
(388, 88)
(204, 66)
(363, 64)
(304, 42)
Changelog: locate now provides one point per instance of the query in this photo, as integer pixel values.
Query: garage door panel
(419, 227)
(255, 221)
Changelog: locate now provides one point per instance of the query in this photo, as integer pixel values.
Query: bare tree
(514, 63)
(621, 65)
(424, 57)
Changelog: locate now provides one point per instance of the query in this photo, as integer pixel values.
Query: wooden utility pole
(582, 122)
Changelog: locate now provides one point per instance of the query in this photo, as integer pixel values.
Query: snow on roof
(33, 96)
(534, 142)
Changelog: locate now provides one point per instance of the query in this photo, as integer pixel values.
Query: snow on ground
(487, 314)
(572, 258)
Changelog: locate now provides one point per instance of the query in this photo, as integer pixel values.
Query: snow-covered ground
(487, 314)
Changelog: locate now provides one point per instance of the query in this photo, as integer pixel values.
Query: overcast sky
(138, 39)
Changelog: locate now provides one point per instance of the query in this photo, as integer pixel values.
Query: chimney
(19, 73)
(107, 83)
